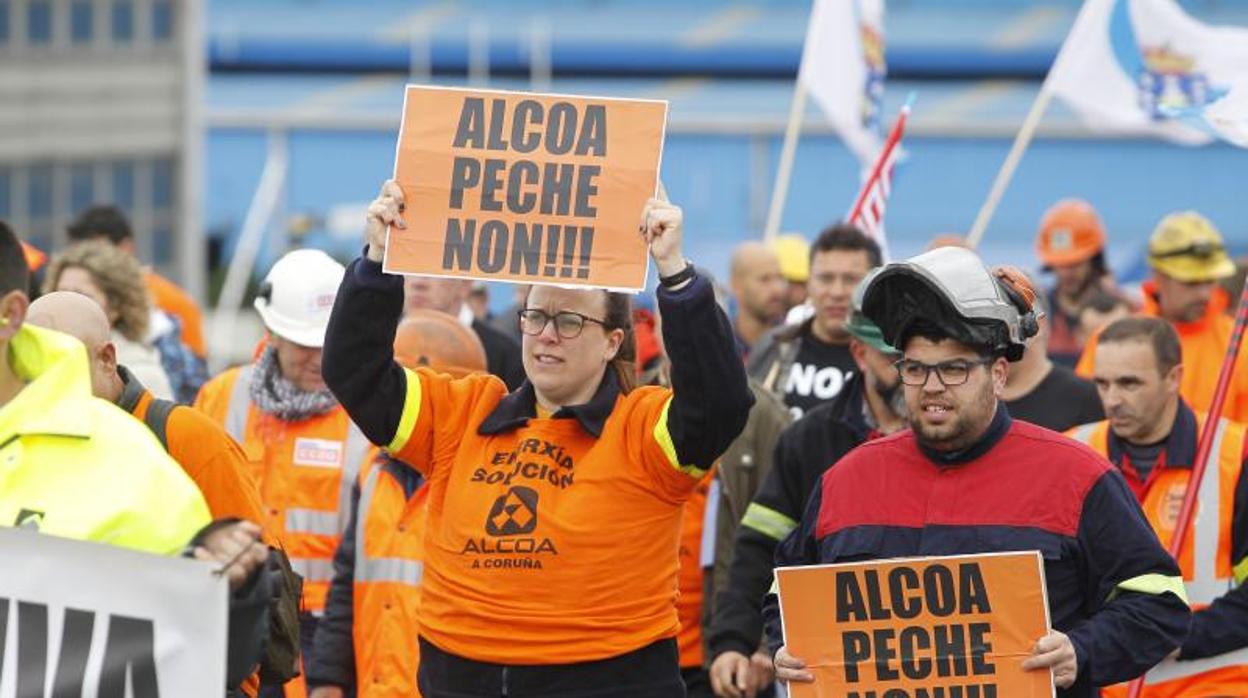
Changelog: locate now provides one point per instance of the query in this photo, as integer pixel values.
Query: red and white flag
(868, 210)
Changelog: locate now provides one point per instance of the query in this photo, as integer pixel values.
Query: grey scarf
(275, 395)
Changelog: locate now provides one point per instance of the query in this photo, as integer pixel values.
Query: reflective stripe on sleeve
(1152, 583)
(768, 522)
(664, 439)
(411, 410)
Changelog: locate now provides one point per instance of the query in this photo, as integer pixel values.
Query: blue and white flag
(1144, 67)
(843, 71)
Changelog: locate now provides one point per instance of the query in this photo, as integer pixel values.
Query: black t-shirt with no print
(1061, 401)
(818, 374)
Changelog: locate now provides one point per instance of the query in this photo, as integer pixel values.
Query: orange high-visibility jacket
(208, 455)
(1204, 347)
(173, 300)
(305, 471)
(389, 566)
(1209, 561)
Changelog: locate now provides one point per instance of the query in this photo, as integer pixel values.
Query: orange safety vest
(389, 566)
(305, 470)
(1204, 343)
(689, 577)
(1208, 570)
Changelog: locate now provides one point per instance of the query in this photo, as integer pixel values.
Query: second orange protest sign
(937, 627)
(511, 186)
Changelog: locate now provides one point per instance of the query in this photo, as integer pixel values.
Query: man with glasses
(1188, 259)
(872, 405)
(967, 479)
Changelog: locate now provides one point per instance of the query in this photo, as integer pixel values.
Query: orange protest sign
(531, 188)
(933, 627)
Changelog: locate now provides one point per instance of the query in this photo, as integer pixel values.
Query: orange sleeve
(649, 443)
(173, 300)
(438, 410)
(216, 463)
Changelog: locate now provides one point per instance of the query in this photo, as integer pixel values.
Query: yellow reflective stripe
(411, 410)
(768, 522)
(1240, 571)
(664, 438)
(1153, 584)
(775, 584)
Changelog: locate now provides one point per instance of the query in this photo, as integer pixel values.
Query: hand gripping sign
(933, 627)
(530, 188)
(86, 619)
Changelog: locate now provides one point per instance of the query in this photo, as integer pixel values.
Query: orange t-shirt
(544, 544)
(173, 300)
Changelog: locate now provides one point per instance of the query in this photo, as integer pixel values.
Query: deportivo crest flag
(1144, 67)
(843, 70)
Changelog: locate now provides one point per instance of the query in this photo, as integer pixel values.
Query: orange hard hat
(438, 341)
(1070, 233)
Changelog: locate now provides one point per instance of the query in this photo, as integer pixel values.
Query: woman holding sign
(554, 511)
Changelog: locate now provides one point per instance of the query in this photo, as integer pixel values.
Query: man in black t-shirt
(809, 364)
(1049, 394)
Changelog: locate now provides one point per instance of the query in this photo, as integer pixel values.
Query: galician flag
(843, 70)
(1144, 67)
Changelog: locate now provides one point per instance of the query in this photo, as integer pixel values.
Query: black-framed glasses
(950, 373)
(568, 324)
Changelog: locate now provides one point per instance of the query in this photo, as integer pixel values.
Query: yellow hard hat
(1186, 247)
(794, 254)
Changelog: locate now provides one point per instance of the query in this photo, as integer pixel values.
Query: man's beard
(959, 435)
(893, 397)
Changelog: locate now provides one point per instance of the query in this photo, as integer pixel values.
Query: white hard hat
(298, 294)
(951, 288)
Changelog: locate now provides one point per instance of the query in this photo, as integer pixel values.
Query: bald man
(202, 447)
(759, 289)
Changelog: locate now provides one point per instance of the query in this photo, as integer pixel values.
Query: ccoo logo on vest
(513, 514)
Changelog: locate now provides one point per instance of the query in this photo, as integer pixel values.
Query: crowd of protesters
(577, 497)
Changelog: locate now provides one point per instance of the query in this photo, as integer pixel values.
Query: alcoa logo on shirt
(318, 453)
(512, 516)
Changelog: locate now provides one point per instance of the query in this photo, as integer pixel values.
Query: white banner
(1144, 67)
(91, 620)
(843, 69)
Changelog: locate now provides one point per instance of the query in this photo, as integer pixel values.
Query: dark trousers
(650, 672)
(697, 682)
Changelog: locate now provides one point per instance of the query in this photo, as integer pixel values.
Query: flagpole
(797, 110)
(1025, 134)
(999, 185)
